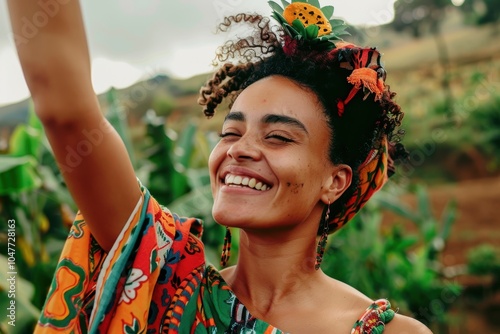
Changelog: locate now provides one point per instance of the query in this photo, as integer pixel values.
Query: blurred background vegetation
(429, 241)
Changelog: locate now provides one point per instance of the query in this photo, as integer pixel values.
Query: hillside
(402, 54)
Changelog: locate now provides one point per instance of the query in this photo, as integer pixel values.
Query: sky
(131, 40)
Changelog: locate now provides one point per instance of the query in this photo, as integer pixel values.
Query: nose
(245, 148)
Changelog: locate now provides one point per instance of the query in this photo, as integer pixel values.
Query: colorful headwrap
(308, 28)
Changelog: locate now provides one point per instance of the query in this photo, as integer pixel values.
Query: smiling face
(270, 169)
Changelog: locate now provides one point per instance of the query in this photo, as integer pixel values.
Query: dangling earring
(320, 250)
(226, 248)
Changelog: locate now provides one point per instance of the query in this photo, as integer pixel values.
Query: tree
(425, 16)
(419, 16)
(482, 11)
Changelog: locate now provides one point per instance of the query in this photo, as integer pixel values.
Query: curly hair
(261, 55)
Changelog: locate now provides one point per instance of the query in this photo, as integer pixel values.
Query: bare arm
(91, 155)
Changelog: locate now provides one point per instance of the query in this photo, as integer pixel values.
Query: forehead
(279, 95)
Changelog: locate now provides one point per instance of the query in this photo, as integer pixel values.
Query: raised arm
(91, 155)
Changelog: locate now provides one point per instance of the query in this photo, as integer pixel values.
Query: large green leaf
(8, 162)
(185, 146)
(18, 174)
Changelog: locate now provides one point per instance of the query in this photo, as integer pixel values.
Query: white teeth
(245, 181)
(252, 183)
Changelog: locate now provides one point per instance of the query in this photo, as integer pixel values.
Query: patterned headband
(309, 29)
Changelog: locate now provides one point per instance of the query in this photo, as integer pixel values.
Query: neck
(272, 269)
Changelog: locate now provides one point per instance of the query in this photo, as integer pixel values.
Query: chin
(225, 216)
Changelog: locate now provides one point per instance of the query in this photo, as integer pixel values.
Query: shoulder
(355, 305)
(405, 325)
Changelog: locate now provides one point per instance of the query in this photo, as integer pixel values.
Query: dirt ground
(478, 219)
(478, 222)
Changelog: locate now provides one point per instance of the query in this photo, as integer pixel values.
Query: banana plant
(32, 195)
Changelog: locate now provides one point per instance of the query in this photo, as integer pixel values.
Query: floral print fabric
(153, 280)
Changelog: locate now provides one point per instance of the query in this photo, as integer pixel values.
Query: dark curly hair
(261, 55)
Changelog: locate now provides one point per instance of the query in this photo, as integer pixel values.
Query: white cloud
(177, 36)
(107, 73)
(12, 85)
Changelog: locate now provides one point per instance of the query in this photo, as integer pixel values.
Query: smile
(245, 181)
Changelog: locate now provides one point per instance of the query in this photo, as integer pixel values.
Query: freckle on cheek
(296, 187)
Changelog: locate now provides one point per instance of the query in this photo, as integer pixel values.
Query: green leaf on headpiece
(312, 31)
(338, 29)
(275, 6)
(314, 3)
(281, 20)
(326, 37)
(299, 26)
(285, 3)
(337, 22)
(327, 11)
(291, 31)
(297, 1)
(344, 33)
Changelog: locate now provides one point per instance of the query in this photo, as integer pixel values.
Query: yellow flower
(308, 15)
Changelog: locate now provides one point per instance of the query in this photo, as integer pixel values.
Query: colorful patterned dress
(153, 280)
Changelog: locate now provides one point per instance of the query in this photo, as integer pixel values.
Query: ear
(337, 183)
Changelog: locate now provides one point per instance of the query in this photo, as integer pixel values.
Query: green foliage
(419, 16)
(33, 197)
(485, 122)
(389, 261)
(167, 158)
(484, 260)
(400, 263)
(25, 313)
(163, 105)
(17, 171)
(117, 119)
(481, 11)
(310, 33)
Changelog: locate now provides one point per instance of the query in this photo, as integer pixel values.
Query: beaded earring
(320, 250)
(226, 248)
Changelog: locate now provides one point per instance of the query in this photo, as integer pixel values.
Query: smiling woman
(311, 134)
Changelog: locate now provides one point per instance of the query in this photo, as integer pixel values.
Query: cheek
(305, 177)
(215, 159)
(296, 176)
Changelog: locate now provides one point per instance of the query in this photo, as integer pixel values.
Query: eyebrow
(273, 119)
(235, 116)
(268, 119)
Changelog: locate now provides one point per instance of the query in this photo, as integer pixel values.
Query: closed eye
(227, 134)
(280, 138)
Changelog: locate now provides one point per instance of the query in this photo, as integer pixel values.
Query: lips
(246, 181)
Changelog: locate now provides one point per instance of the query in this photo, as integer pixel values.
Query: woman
(302, 149)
